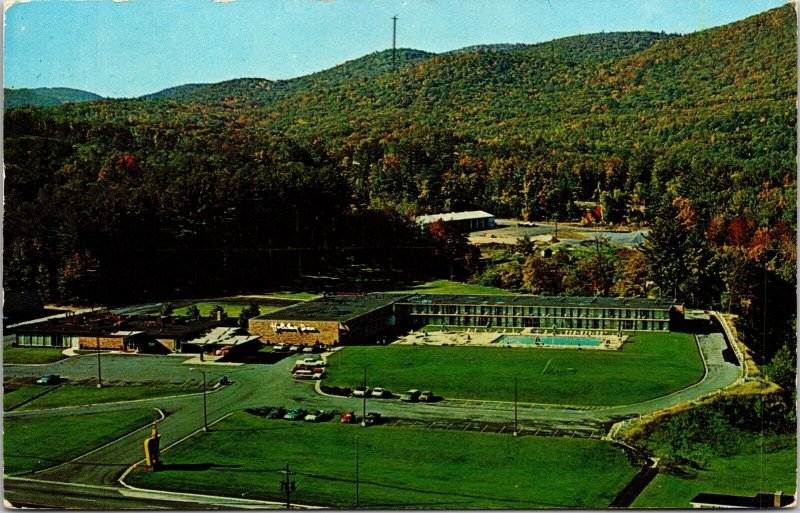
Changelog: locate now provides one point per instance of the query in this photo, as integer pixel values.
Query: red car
(315, 370)
(349, 418)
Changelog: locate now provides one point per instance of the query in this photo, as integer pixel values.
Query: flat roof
(453, 216)
(531, 300)
(340, 308)
(94, 324)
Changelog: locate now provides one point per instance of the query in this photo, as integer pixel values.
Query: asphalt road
(270, 385)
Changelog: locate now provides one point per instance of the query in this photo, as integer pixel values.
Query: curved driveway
(262, 385)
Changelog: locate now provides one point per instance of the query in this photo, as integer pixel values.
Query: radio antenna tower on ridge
(394, 40)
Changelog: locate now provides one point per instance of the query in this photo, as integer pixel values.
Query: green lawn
(648, 365)
(453, 287)
(398, 467)
(75, 395)
(232, 309)
(34, 443)
(746, 474)
(28, 355)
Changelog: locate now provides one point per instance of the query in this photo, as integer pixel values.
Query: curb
(67, 408)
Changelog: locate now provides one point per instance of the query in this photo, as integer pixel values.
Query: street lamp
(205, 407)
(99, 378)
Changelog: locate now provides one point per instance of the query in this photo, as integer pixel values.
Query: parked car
(381, 393)
(296, 348)
(297, 368)
(49, 379)
(426, 396)
(307, 374)
(308, 349)
(276, 413)
(310, 361)
(410, 396)
(295, 414)
(279, 348)
(349, 417)
(361, 392)
(372, 418)
(318, 416)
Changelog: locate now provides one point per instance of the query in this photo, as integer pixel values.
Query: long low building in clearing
(462, 221)
(109, 331)
(341, 319)
(526, 311)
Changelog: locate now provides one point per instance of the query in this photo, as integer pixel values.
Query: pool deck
(488, 339)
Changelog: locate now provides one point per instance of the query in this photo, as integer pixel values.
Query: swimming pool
(548, 341)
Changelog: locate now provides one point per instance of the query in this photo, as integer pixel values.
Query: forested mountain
(248, 92)
(253, 181)
(45, 96)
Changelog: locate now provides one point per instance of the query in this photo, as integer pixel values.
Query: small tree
(167, 309)
(215, 310)
(248, 313)
(193, 312)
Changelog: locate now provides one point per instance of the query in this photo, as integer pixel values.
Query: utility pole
(364, 409)
(99, 379)
(288, 485)
(394, 40)
(205, 403)
(356, 472)
(516, 418)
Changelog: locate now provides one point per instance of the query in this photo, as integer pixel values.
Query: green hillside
(247, 92)
(253, 181)
(45, 96)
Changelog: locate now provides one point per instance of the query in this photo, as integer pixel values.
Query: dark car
(372, 418)
(49, 379)
(295, 414)
(411, 396)
(276, 413)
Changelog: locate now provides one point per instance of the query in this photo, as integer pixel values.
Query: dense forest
(251, 182)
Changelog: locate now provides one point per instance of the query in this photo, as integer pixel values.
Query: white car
(307, 374)
(380, 393)
(311, 362)
(361, 392)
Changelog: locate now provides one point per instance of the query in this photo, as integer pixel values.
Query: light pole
(364, 410)
(205, 404)
(356, 472)
(516, 419)
(99, 379)
(288, 485)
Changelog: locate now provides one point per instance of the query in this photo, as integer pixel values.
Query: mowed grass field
(453, 287)
(746, 474)
(398, 467)
(34, 443)
(31, 355)
(649, 365)
(232, 309)
(44, 397)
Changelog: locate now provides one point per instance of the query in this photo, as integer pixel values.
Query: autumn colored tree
(631, 274)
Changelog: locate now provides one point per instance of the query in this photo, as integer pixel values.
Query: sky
(130, 48)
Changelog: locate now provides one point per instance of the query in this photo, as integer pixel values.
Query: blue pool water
(550, 341)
